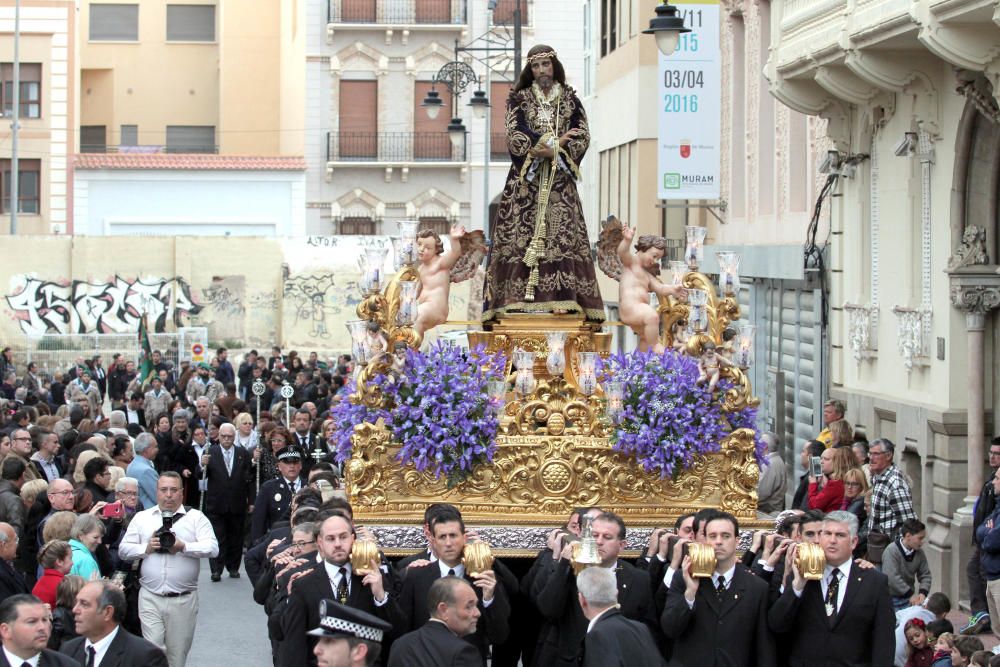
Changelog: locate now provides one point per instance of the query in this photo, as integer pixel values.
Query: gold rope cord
(548, 171)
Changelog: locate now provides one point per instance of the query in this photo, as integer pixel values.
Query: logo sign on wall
(197, 353)
(690, 98)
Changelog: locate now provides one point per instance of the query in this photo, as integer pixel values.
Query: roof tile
(188, 161)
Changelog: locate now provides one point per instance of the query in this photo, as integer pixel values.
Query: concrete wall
(294, 292)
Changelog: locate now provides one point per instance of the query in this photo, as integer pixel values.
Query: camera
(166, 536)
(816, 467)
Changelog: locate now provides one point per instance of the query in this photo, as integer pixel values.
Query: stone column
(975, 301)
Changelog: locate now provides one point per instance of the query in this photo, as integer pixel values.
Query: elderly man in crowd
(141, 469)
(773, 480)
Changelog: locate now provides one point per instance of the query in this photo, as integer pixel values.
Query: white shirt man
(168, 599)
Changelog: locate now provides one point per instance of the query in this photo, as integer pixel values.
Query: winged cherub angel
(637, 276)
(439, 268)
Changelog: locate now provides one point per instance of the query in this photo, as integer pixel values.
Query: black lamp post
(667, 27)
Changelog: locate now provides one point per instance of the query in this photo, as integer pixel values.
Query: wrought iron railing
(393, 147)
(414, 12)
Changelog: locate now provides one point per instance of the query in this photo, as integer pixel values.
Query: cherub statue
(728, 336)
(438, 269)
(710, 365)
(375, 341)
(637, 276)
(395, 372)
(681, 335)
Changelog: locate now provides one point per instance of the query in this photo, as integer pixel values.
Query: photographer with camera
(169, 538)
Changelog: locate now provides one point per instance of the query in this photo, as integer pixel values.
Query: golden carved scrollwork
(538, 480)
(383, 309)
(555, 408)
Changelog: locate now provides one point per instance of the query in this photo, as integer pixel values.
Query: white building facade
(909, 94)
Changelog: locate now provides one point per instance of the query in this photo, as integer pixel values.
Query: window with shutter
(191, 139)
(358, 135)
(190, 23)
(430, 136)
(357, 226)
(499, 91)
(30, 81)
(114, 22)
(29, 185)
(93, 139)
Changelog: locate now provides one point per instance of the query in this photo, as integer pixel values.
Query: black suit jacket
(49, 658)
(301, 613)
(493, 626)
(557, 601)
(270, 506)
(731, 632)
(125, 650)
(616, 641)
(11, 581)
(862, 634)
(228, 493)
(433, 645)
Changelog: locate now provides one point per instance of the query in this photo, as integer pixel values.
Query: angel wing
(473, 250)
(607, 247)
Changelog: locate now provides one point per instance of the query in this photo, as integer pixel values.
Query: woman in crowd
(85, 537)
(827, 492)
(56, 559)
(246, 436)
(277, 440)
(841, 433)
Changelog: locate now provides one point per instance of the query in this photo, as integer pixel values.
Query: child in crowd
(919, 652)
(942, 650)
(962, 649)
(981, 658)
(63, 623)
(905, 564)
(56, 559)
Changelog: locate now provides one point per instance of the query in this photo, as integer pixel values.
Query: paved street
(231, 626)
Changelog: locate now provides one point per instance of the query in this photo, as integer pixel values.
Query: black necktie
(342, 586)
(720, 586)
(91, 656)
(451, 572)
(832, 592)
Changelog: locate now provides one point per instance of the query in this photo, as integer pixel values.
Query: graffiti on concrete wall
(223, 301)
(316, 297)
(79, 306)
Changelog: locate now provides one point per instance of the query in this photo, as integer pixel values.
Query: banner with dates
(690, 99)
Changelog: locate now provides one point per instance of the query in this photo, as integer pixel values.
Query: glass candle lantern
(555, 360)
(524, 381)
(615, 392)
(359, 332)
(371, 269)
(698, 315)
(677, 270)
(729, 273)
(694, 252)
(408, 241)
(496, 395)
(586, 376)
(523, 359)
(743, 354)
(407, 313)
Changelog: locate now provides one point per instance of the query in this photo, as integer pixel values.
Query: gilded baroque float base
(553, 454)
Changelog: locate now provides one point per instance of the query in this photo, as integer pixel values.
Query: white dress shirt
(170, 573)
(15, 661)
(458, 569)
(845, 573)
(727, 579)
(101, 647)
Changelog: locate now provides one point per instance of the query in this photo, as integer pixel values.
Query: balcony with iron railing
(498, 146)
(394, 147)
(397, 12)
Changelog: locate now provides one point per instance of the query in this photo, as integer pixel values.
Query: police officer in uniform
(275, 495)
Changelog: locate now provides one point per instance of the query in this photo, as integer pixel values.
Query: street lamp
(667, 27)
(479, 103)
(456, 131)
(432, 103)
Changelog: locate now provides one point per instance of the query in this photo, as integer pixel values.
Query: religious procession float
(538, 417)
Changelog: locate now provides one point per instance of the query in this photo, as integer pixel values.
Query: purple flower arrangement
(440, 411)
(346, 414)
(668, 419)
